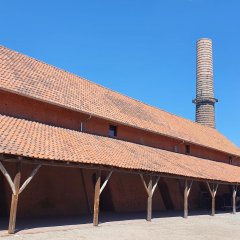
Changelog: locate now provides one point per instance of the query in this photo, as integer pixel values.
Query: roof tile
(36, 140)
(29, 77)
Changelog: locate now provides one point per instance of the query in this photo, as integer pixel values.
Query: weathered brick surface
(205, 101)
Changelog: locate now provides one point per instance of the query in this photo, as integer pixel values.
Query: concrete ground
(121, 226)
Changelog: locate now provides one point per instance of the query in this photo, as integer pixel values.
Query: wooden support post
(186, 194)
(149, 201)
(213, 206)
(213, 192)
(98, 191)
(185, 200)
(8, 178)
(150, 189)
(16, 190)
(97, 198)
(14, 203)
(234, 199)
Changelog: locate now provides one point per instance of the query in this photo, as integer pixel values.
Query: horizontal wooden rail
(59, 163)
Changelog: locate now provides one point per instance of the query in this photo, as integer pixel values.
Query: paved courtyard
(222, 226)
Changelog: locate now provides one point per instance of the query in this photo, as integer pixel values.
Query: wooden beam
(213, 192)
(155, 185)
(189, 189)
(97, 198)
(105, 182)
(186, 194)
(14, 203)
(29, 179)
(144, 183)
(58, 163)
(234, 199)
(7, 176)
(209, 188)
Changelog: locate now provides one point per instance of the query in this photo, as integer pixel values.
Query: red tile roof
(26, 76)
(36, 140)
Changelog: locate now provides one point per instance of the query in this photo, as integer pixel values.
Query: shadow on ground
(74, 222)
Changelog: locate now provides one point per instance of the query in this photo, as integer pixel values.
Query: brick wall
(22, 107)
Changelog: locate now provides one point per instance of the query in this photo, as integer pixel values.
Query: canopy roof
(26, 76)
(35, 140)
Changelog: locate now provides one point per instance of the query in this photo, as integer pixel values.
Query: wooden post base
(14, 203)
(186, 194)
(97, 198)
(149, 201)
(213, 206)
(13, 214)
(234, 199)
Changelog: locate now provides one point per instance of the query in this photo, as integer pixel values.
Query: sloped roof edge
(35, 140)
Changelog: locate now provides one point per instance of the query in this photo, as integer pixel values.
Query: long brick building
(71, 147)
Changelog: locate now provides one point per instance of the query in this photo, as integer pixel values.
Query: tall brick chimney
(205, 101)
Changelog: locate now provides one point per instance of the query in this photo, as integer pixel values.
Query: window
(230, 160)
(187, 149)
(112, 131)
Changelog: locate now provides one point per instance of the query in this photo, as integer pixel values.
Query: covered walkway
(23, 142)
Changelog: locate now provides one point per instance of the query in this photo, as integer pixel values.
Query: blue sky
(144, 49)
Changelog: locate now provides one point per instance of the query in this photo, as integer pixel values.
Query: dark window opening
(230, 160)
(187, 149)
(112, 131)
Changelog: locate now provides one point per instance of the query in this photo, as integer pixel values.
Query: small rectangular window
(187, 149)
(112, 131)
(230, 160)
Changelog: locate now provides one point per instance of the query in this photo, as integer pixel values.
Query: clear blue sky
(144, 49)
